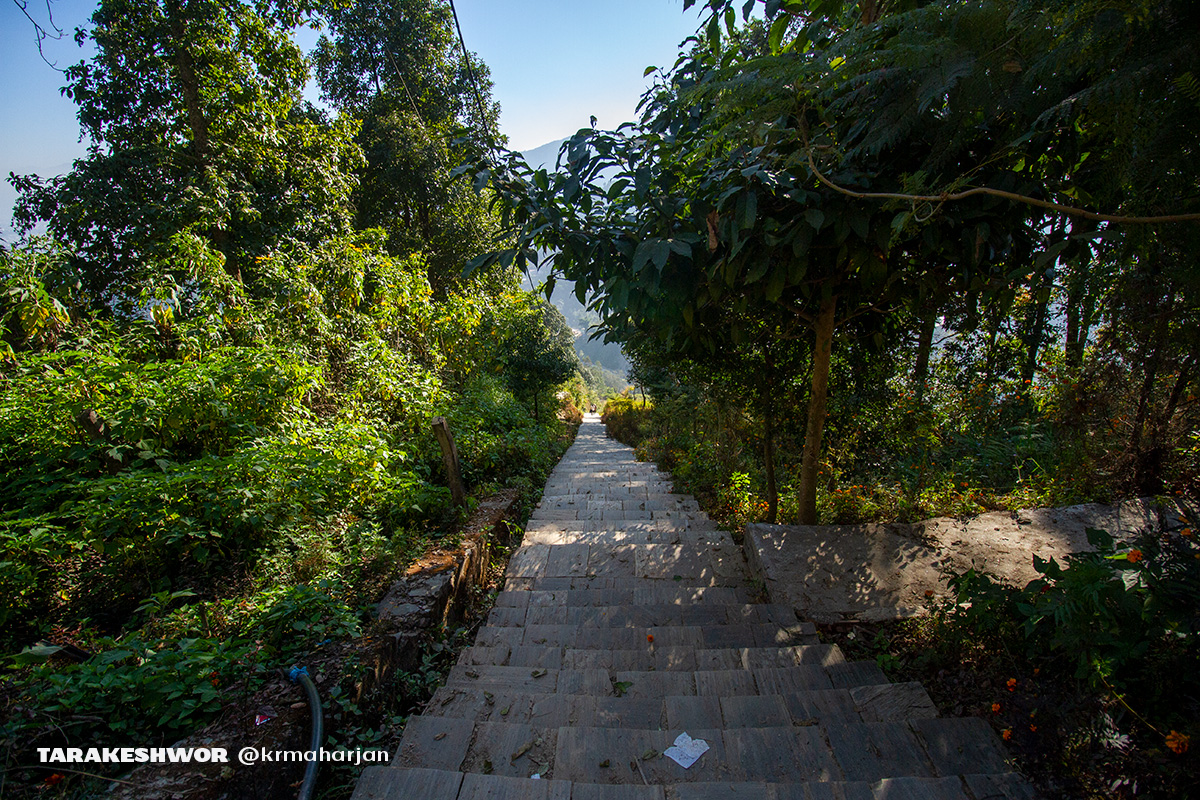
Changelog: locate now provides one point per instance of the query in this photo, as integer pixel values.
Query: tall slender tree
(398, 66)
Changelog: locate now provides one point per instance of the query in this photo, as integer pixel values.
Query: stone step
(658, 561)
(629, 528)
(699, 637)
(653, 593)
(606, 682)
(561, 582)
(660, 501)
(840, 751)
(643, 616)
(652, 657)
(880, 703)
(550, 534)
(612, 514)
(391, 783)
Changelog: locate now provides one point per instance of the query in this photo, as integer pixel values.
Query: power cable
(471, 77)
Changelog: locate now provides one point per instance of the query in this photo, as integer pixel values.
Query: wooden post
(441, 429)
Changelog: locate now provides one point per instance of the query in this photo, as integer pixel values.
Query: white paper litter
(686, 750)
(537, 776)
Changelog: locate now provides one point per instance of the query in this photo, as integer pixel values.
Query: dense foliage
(843, 177)
(888, 260)
(219, 369)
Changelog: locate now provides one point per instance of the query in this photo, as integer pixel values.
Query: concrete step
(699, 637)
(651, 593)
(839, 751)
(642, 616)
(881, 703)
(653, 656)
(604, 682)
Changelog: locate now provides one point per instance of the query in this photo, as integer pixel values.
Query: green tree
(398, 67)
(539, 353)
(193, 110)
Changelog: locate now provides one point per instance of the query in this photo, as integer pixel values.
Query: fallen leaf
(439, 737)
(537, 673)
(604, 764)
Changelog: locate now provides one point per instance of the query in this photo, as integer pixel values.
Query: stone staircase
(628, 618)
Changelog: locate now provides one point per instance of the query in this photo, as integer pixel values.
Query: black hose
(300, 675)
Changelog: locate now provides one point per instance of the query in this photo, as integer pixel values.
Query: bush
(628, 421)
(1122, 621)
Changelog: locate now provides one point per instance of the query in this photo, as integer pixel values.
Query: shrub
(627, 421)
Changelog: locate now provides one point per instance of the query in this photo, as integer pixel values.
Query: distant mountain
(578, 317)
(544, 156)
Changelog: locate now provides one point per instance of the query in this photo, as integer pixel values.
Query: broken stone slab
(831, 573)
(884, 571)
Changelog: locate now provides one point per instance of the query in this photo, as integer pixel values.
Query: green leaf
(815, 217)
(778, 29)
(641, 256)
(749, 208)
(36, 654)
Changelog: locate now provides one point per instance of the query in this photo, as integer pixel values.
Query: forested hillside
(221, 361)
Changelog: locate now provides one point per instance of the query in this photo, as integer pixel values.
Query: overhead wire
(471, 77)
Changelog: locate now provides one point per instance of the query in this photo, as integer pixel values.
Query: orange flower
(53, 780)
(1134, 556)
(650, 637)
(995, 708)
(1012, 684)
(1186, 532)
(1033, 728)
(1178, 742)
(929, 592)
(1006, 734)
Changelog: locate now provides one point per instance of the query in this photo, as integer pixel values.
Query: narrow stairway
(627, 618)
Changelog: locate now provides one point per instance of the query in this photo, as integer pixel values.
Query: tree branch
(946, 197)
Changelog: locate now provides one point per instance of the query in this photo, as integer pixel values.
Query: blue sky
(554, 63)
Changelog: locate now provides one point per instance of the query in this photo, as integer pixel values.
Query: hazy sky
(554, 63)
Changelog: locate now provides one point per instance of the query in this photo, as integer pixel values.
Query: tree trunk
(1076, 332)
(989, 367)
(1152, 357)
(870, 11)
(193, 101)
(536, 412)
(817, 401)
(769, 461)
(924, 348)
(1037, 330)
